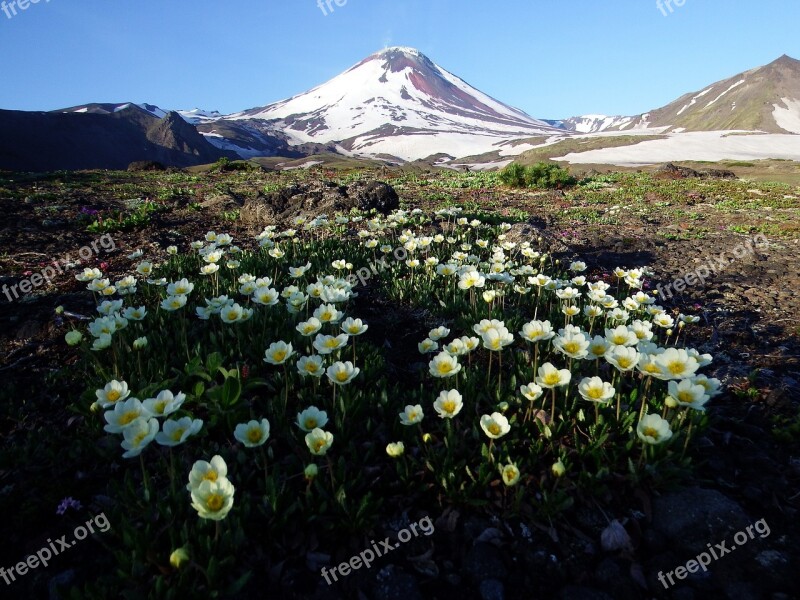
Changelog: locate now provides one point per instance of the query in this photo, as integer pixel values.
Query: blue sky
(552, 58)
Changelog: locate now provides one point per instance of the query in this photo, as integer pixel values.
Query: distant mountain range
(396, 105)
(764, 99)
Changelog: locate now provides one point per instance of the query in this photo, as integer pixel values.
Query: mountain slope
(101, 137)
(763, 99)
(397, 103)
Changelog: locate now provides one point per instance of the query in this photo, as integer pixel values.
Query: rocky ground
(748, 459)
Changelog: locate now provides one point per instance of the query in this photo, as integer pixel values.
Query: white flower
(353, 326)
(123, 414)
(624, 359)
(138, 436)
(622, 336)
(319, 441)
(342, 373)
(233, 313)
(444, 365)
(687, 393)
(448, 404)
(427, 346)
(495, 425)
(496, 339)
(164, 404)
(310, 365)
(278, 353)
(412, 415)
(207, 471)
(531, 391)
(551, 377)
(213, 499)
(173, 303)
(536, 331)
(253, 433)
(676, 363)
(438, 333)
(326, 344)
(652, 429)
(113, 392)
(180, 288)
(328, 313)
(595, 389)
(176, 432)
(135, 314)
(572, 344)
(311, 418)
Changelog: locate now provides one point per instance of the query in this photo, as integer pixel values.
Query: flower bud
(95, 407)
(426, 437)
(671, 402)
(59, 310)
(73, 338)
(140, 343)
(311, 471)
(395, 449)
(559, 469)
(179, 557)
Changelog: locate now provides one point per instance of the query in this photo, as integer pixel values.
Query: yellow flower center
(685, 397)
(319, 445)
(254, 435)
(312, 367)
(675, 367)
(552, 378)
(232, 315)
(572, 347)
(113, 395)
(138, 439)
(178, 434)
(448, 406)
(594, 393)
(624, 362)
(494, 429)
(159, 407)
(128, 417)
(650, 432)
(311, 423)
(215, 502)
(331, 343)
(279, 355)
(341, 376)
(210, 476)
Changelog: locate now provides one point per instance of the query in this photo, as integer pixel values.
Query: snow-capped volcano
(397, 102)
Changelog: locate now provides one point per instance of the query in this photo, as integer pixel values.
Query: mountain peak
(785, 60)
(407, 50)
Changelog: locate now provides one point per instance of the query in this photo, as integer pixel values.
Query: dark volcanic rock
(694, 517)
(313, 199)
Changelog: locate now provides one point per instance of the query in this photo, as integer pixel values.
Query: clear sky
(553, 59)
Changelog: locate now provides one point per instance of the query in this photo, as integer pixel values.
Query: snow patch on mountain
(788, 117)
